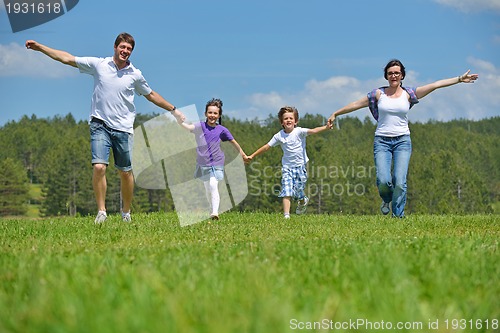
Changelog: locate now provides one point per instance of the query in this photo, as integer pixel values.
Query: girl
(210, 157)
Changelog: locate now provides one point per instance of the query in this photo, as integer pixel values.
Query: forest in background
(455, 168)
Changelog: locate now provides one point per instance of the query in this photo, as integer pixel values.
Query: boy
(292, 140)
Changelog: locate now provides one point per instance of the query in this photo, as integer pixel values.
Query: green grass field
(251, 272)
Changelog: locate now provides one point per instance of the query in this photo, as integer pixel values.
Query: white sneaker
(385, 208)
(101, 217)
(126, 217)
(287, 216)
(301, 208)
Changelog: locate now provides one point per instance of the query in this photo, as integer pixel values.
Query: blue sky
(259, 55)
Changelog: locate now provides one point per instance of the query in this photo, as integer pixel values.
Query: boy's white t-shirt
(293, 145)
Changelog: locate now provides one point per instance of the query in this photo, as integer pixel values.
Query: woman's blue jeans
(392, 158)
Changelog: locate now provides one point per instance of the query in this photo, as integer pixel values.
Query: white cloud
(16, 60)
(468, 6)
(317, 97)
(468, 101)
(483, 66)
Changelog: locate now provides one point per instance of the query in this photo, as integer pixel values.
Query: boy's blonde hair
(287, 109)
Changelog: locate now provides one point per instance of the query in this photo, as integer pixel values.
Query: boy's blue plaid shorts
(293, 182)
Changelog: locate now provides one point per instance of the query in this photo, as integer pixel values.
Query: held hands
(247, 159)
(179, 116)
(331, 121)
(468, 78)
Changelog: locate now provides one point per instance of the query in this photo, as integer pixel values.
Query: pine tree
(13, 188)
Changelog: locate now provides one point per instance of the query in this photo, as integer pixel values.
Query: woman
(392, 145)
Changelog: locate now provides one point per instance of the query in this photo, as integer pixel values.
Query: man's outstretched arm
(58, 55)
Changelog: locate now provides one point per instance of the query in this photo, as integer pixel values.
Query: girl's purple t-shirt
(208, 141)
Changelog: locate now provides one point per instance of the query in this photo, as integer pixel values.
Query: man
(112, 113)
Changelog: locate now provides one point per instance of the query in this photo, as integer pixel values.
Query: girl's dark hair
(218, 103)
(395, 62)
(125, 37)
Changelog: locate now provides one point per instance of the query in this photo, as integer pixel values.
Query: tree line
(454, 168)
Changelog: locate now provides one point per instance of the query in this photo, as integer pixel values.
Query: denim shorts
(103, 138)
(205, 172)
